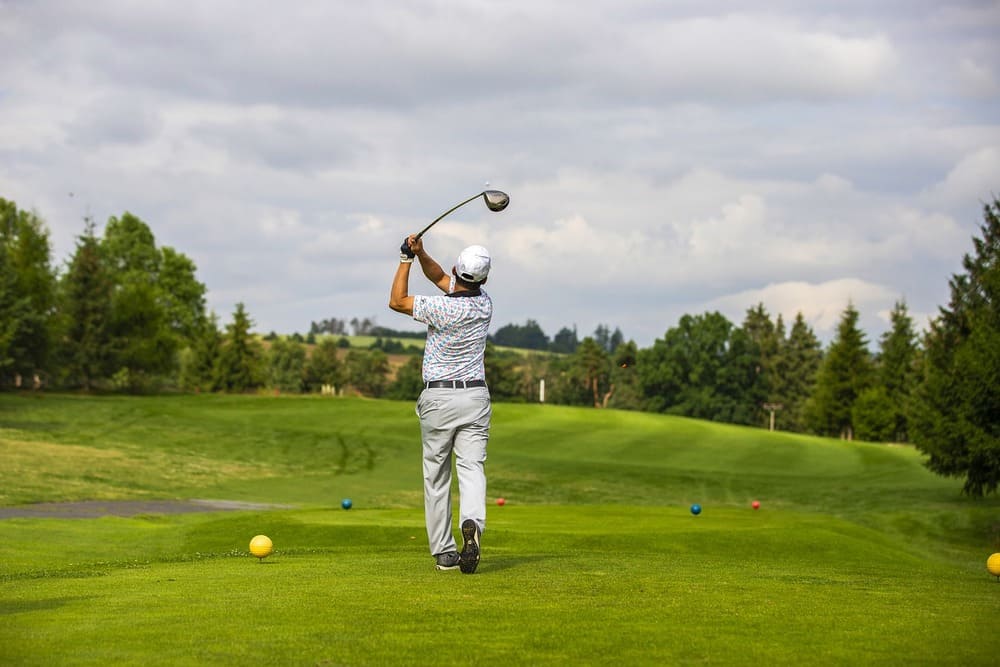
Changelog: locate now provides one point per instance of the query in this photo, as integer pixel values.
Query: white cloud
(757, 57)
(821, 304)
(280, 224)
(710, 229)
(973, 179)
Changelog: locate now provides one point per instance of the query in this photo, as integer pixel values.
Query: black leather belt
(455, 384)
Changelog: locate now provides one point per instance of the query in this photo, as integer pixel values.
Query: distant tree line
(124, 314)
(530, 336)
(365, 326)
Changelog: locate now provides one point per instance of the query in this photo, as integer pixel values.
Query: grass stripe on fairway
(858, 554)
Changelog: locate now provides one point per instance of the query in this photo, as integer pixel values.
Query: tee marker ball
(993, 565)
(696, 509)
(261, 546)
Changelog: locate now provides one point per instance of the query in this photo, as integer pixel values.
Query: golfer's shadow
(501, 563)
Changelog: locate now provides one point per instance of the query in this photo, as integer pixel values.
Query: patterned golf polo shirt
(457, 326)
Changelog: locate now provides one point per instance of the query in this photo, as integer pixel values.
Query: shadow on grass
(501, 563)
(25, 606)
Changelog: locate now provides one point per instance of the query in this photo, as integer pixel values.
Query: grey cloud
(284, 142)
(115, 119)
(422, 54)
(661, 157)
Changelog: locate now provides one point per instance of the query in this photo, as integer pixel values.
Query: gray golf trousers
(454, 425)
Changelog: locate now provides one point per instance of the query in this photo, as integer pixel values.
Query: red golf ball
(501, 502)
(755, 504)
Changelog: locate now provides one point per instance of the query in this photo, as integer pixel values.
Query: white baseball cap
(473, 264)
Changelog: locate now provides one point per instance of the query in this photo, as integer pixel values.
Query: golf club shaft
(424, 230)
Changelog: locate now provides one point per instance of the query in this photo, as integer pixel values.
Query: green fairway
(858, 555)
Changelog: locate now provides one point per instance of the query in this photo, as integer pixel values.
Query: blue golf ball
(346, 503)
(696, 509)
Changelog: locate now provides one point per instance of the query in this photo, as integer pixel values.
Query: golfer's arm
(434, 272)
(399, 296)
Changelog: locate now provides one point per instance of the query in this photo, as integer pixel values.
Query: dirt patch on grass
(92, 509)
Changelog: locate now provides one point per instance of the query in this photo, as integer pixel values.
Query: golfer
(454, 406)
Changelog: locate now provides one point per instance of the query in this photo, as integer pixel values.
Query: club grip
(405, 248)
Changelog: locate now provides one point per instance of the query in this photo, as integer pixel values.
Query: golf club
(495, 201)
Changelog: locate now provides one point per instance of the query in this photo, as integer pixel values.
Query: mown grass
(858, 555)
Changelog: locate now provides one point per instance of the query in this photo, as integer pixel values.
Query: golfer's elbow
(402, 304)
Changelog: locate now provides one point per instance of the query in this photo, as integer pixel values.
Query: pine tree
(846, 371)
(897, 366)
(796, 366)
(239, 360)
(207, 346)
(873, 415)
(85, 295)
(955, 418)
(766, 341)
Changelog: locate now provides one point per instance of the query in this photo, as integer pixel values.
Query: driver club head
(496, 200)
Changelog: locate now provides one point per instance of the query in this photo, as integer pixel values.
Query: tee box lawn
(857, 555)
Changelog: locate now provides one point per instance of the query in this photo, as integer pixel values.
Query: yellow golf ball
(993, 564)
(261, 546)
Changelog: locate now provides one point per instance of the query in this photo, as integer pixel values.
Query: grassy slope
(857, 555)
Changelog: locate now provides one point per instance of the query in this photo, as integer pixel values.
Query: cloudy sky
(662, 158)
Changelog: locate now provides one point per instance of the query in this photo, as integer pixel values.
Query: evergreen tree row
(127, 315)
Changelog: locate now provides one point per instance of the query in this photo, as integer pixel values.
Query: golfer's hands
(416, 245)
(412, 246)
(405, 251)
